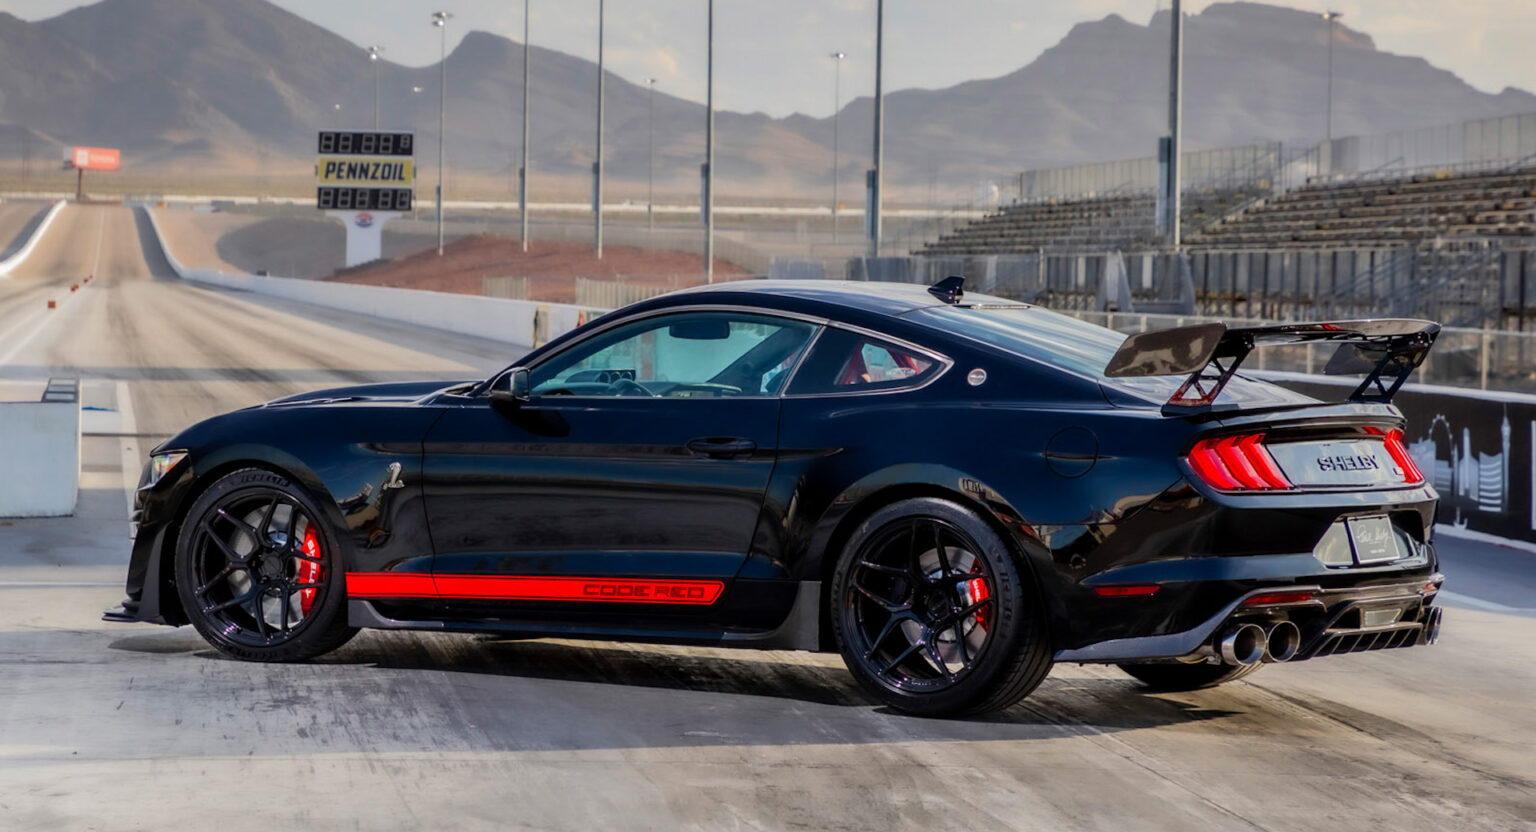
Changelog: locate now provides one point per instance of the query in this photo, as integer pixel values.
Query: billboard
(93, 158)
(341, 170)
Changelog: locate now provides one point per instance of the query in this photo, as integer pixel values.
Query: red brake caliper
(976, 590)
(309, 571)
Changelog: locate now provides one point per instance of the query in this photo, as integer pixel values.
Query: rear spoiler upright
(1386, 350)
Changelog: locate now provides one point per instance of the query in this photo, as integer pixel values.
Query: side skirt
(799, 631)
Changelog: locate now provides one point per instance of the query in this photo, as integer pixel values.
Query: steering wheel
(627, 387)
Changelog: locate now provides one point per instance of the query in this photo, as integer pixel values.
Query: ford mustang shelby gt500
(954, 492)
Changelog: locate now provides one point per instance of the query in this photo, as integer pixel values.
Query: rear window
(1080, 347)
(1044, 336)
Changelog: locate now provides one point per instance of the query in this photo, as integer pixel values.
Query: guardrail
(519, 322)
(9, 264)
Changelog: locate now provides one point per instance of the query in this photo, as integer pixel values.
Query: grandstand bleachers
(1408, 211)
(1499, 204)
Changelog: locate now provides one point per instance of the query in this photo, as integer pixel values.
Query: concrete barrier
(519, 322)
(40, 452)
(10, 263)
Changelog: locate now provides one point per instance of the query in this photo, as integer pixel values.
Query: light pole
(874, 176)
(597, 166)
(1175, 124)
(650, 162)
(837, 106)
(522, 171)
(1332, 19)
(440, 20)
(373, 58)
(709, 151)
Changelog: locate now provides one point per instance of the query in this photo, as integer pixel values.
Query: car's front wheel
(934, 615)
(259, 574)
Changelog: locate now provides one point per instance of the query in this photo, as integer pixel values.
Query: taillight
(1393, 440)
(1237, 463)
(1399, 452)
(1272, 598)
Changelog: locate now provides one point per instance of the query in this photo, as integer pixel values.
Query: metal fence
(1471, 284)
(612, 294)
(515, 288)
(1217, 169)
(1466, 145)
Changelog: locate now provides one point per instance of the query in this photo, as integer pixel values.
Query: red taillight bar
(1393, 441)
(1274, 598)
(1237, 463)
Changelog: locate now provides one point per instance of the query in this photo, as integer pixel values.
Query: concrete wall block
(40, 455)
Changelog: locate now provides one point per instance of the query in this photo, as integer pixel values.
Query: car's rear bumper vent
(1334, 644)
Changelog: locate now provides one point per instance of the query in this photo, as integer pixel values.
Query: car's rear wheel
(1172, 676)
(259, 574)
(933, 614)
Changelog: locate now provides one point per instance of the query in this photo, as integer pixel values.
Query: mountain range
(244, 85)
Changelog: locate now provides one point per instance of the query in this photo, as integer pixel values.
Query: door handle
(721, 447)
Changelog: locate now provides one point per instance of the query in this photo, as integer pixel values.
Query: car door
(633, 474)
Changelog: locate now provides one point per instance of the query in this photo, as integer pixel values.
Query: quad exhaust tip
(1283, 643)
(1244, 644)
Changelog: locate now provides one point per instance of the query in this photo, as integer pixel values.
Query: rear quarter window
(1050, 338)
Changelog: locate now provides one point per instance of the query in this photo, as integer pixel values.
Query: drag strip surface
(140, 727)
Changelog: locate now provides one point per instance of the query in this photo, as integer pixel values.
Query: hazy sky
(772, 55)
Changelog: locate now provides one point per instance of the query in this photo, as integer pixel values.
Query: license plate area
(1380, 617)
(1373, 540)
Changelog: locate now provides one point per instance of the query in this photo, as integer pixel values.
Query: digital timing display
(367, 143)
(363, 199)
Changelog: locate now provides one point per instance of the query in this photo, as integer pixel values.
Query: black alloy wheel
(259, 576)
(931, 613)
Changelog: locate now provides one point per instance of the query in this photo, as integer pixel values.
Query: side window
(846, 362)
(683, 355)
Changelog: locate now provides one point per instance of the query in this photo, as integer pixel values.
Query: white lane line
(1479, 604)
(101, 233)
(49, 584)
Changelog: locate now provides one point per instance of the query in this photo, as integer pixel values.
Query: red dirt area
(551, 268)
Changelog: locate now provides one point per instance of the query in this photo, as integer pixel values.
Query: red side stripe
(390, 585)
(602, 590)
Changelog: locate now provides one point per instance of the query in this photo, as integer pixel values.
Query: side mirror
(511, 390)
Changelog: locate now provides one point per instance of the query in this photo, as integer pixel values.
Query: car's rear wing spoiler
(1386, 350)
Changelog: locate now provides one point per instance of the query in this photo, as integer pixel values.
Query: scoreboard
(367, 143)
(347, 198)
(365, 170)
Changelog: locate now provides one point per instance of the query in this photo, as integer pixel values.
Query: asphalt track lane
(138, 727)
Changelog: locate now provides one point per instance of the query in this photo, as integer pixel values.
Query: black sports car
(954, 492)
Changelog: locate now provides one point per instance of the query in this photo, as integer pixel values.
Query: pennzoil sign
(341, 170)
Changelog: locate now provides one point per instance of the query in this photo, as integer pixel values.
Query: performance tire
(259, 572)
(933, 613)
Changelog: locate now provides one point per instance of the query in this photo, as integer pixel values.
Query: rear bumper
(1374, 616)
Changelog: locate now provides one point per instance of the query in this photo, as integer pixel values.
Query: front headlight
(159, 465)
